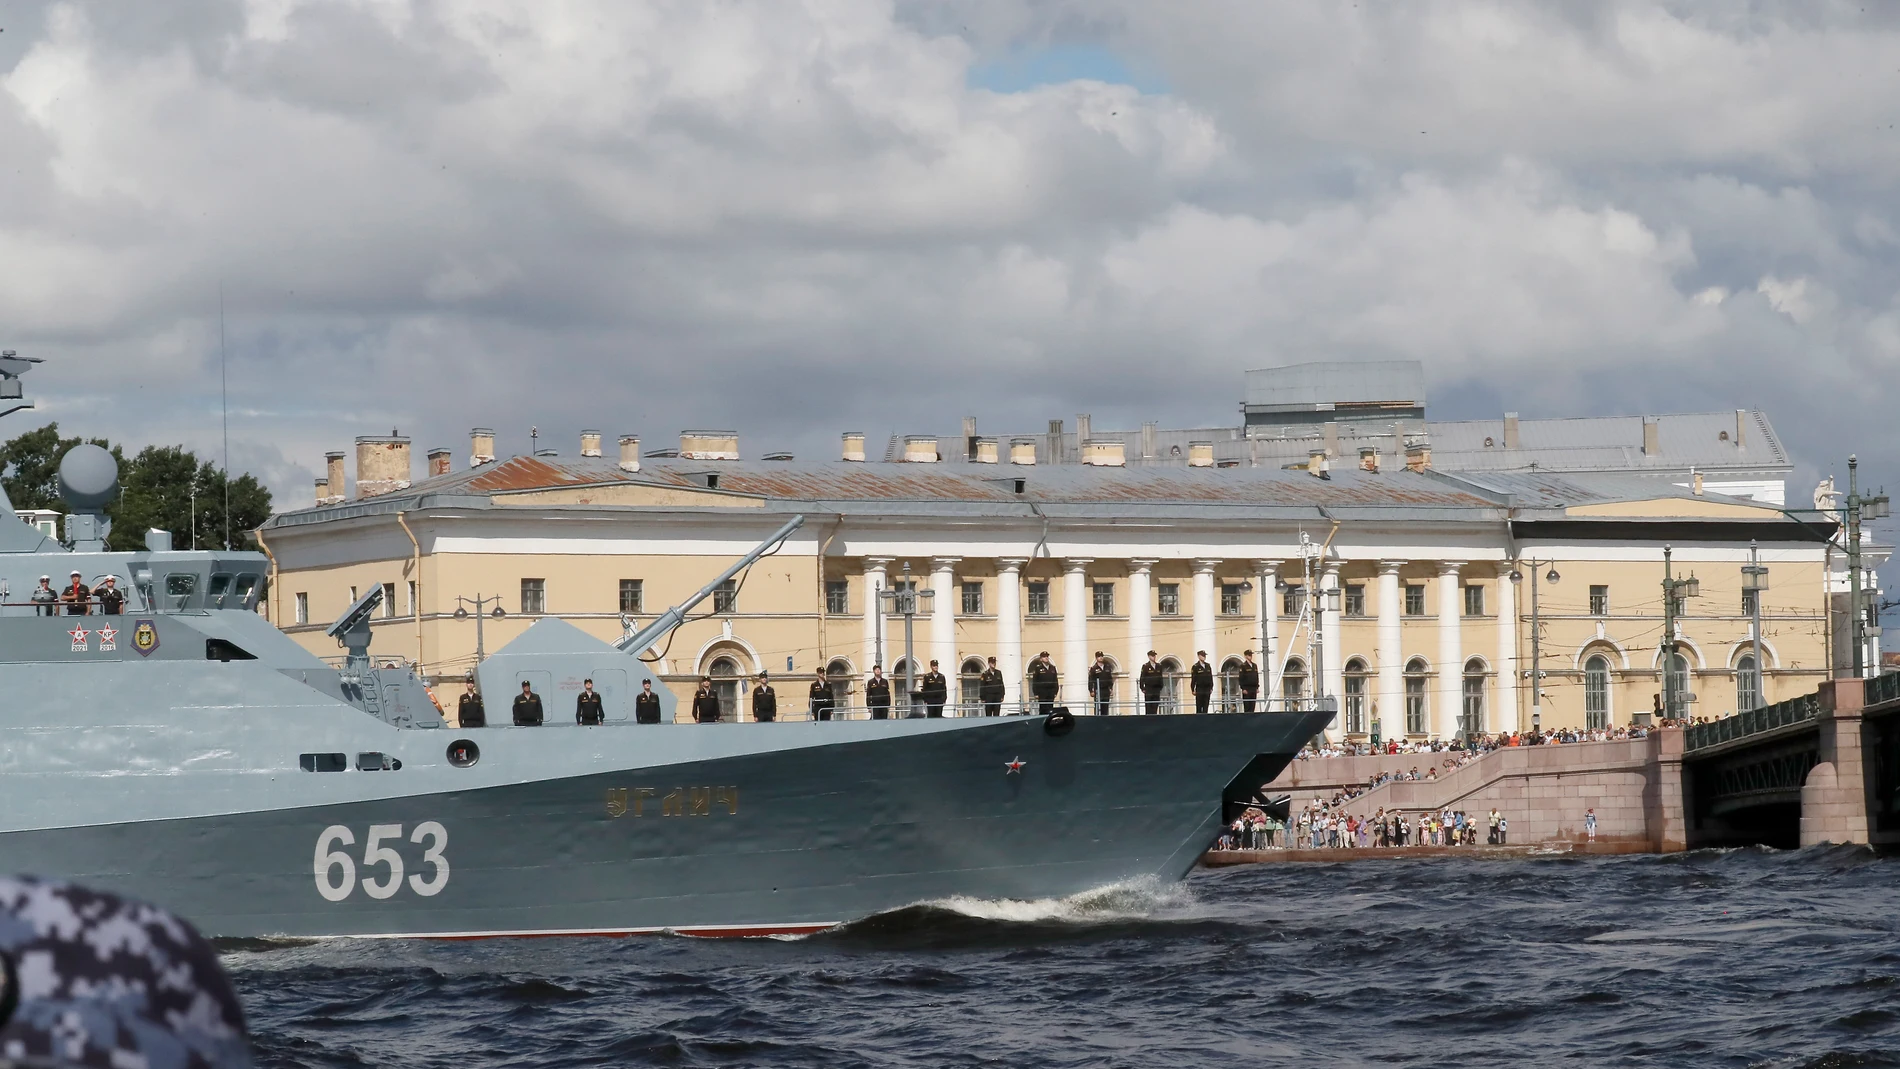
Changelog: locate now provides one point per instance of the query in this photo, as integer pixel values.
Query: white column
(874, 581)
(1267, 639)
(943, 615)
(1141, 623)
(1451, 659)
(1504, 690)
(1009, 625)
(1075, 631)
(1391, 714)
(1335, 648)
(1204, 609)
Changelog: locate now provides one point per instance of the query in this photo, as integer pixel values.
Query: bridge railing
(1752, 722)
(1882, 688)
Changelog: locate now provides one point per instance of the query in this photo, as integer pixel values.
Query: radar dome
(88, 477)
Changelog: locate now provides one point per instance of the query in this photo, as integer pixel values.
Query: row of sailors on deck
(78, 599)
(933, 689)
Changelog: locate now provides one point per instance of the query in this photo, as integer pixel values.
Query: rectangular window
(303, 607)
(389, 600)
(534, 596)
(1749, 598)
(1415, 600)
(1355, 599)
(1039, 599)
(1293, 599)
(1230, 599)
(1599, 600)
(973, 599)
(838, 596)
(1104, 599)
(726, 596)
(1168, 599)
(633, 595)
(1474, 600)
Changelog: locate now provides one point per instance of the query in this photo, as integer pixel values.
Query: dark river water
(1739, 958)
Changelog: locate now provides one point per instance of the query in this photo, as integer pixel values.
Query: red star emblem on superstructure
(79, 635)
(1013, 766)
(108, 634)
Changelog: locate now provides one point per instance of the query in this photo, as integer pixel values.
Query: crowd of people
(1473, 745)
(1329, 826)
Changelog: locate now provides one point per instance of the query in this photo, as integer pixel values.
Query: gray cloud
(795, 218)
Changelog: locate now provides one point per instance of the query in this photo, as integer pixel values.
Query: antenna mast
(224, 404)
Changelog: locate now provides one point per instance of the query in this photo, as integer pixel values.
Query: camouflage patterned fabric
(106, 982)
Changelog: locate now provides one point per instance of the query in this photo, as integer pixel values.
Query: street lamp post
(481, 603)
(1857, 509)
(1537, 644)
(1673, 589)
(1755, 578)
(906, 602)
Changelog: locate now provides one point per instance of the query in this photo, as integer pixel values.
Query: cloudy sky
(796, 217)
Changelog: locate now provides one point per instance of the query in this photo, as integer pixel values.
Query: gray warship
(188, 752)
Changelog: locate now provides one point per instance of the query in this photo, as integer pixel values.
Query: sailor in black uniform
(45, 598)
(764, 701)
(469, 712)
(1153, 678)
(527, 707)
(1249, 682)
(1201, 681)
(1044, 682)
(111, 598)
(1101, 682)
(877, 694)
(587, 712)
(936, 691)
(78, 597)
(822, 700)
(705, 703)
(990, 689)
(646, 707)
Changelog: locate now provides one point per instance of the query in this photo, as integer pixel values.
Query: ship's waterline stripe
(705, 931)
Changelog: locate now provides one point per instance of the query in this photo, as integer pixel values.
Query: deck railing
(1753, 722)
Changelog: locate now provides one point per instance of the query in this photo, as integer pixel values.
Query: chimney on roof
(1084, 428)
(1651, 436)
(1368, 458)
(1317, 464)
(323, 491)
(590, 443)
(481, 447)
(1200, 454)
(854, 446)
(969, 437)
(983, 450)
(629, 452)
(1148, 440)
(1418, 456)
(1741, 428)
(1105, 452)
(333, 478)
(382, 464)
(1510, 430)
(439, 462)
(1695, 482)
(1054, 453)
(1331, 431)
(920, 449)
(1022, 450)
(709, 445)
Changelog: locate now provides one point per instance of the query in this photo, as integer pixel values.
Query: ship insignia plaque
(145, 637)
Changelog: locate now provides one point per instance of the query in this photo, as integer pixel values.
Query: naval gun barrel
(676, 615)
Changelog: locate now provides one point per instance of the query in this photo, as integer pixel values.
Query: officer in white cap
(46, 599)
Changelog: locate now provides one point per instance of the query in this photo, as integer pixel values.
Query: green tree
(169, 488)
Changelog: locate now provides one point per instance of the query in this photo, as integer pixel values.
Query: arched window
(1471, 714)
(1678, 686)
(901, 704)
(1355, 682)
(1747, 684)
(1293, 681)
(1230, 685)
(1596, 692)
(725, 680)
(1415, 696)
(1170, 685)
(839, 675)
(970, 686)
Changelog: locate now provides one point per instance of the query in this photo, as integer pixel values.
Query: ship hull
(787, 839)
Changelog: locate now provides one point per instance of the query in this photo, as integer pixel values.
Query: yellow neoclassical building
(1423, 599)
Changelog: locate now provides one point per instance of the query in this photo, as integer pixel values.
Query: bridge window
(1596, 692)
(218, 649)
(323, 762)
(179, 587)
(1747, 684)
(1355, 683)
(1471, 718)
(1415, 697)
